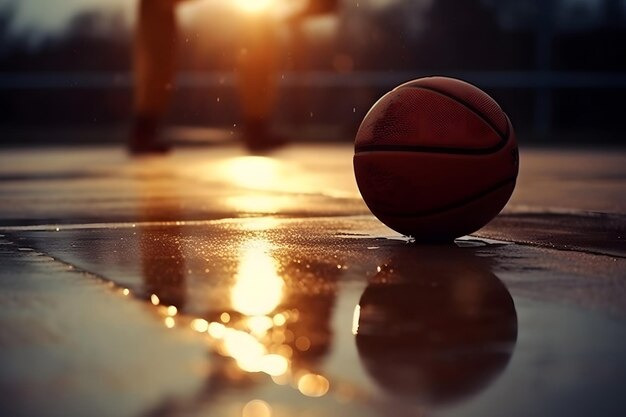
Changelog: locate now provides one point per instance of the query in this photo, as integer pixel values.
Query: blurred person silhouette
(155, 67)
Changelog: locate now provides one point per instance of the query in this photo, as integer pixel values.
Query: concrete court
(212, 283)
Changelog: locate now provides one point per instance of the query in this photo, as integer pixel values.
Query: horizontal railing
(485, 79)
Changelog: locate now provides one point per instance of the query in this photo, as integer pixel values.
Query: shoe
(258, 139)
(144, 140)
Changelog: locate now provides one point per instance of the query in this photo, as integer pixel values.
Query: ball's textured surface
(436, 158)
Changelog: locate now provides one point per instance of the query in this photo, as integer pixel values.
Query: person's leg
(257, 84)
(154, 60)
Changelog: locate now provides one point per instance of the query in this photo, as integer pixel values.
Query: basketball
(435, 159)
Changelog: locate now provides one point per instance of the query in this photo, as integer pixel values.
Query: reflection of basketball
(435, 325)
(436, 158)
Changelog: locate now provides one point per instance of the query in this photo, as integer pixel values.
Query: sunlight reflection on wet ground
(286, 306)
(308, 306)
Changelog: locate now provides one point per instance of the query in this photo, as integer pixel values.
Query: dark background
(556, 67)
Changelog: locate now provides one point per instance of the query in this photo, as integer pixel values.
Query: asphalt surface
(211, 282)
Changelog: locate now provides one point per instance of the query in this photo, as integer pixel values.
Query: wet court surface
(214, 283)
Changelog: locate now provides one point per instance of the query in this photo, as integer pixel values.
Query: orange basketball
(436, 158)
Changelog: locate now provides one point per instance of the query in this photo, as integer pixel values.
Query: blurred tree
(7, 13)
(93, 40)
(97, 24)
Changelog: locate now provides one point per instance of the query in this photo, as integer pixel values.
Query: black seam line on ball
(454, 205)
(503, 136)
(430, 149)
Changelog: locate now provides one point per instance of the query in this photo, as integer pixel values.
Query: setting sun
(253, 6)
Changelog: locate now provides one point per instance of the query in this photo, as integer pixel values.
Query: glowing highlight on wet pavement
(254, 333)
(258, 289)
(300, 303)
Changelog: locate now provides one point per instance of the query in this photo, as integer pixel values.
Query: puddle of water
(299, 318)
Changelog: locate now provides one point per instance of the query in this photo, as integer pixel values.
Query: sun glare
(258, 289)
(356, 316)
(256, 334)
(253, 6)
(252, 172)
(257, 203)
